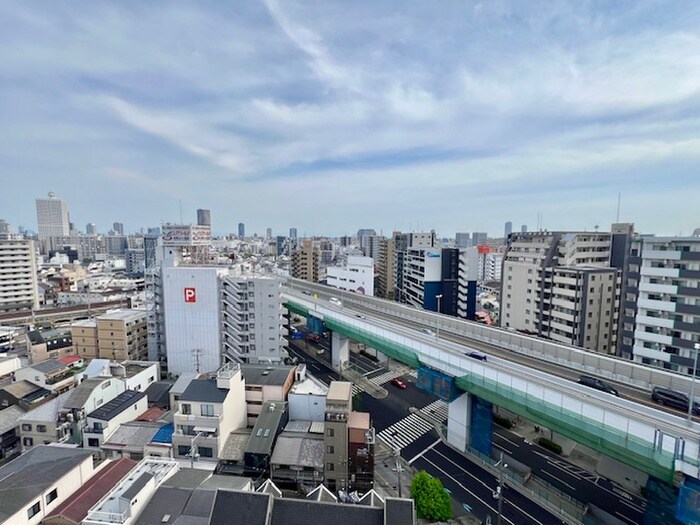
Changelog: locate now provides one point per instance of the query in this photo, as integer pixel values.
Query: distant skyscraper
(523, 228)
(268, 234)
(52, 217)
(90, 228)
(204, 217)
(508, 229)
(241, 230)
(4, 227)
(462, 240)
(479, 238)
(293, 233)
(118, 228)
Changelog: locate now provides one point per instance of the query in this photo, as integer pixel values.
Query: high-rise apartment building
(251, 314)
(90, 228)
(305, 262)
(18, 276)
(402, 242)
(560, 285)
(479, 238)
(241, 230)
(204, 217)
(384, 263)
(663, 280)
(120, 336)
(4, 227)
(508, 229)
(523, 228)
(268, 234)
(292, 233)
(52, 218)
(363, 235)
(118, 228)
(462, 240)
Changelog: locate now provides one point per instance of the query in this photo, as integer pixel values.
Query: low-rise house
(49, 344)
(74, 510)
(269, 425)
(297, 460)
(208, 411)
(10, 444)
(102, 422)
(265, 383)
(8, 365)
(23, 394)
(307, 397)
(180, 386)
(50, 374)
(139, 439)
(37, 482)
(48, 423)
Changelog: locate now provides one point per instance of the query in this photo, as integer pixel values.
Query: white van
(335, 301)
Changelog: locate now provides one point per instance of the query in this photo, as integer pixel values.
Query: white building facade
(18, 276)
(356, 276)
(52, 217)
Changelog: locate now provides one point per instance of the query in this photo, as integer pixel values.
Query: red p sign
(190, 295)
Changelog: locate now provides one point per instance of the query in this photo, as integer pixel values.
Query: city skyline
(275, 114)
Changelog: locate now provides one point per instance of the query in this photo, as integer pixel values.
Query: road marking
(516, 445)
(503, 449)
(558, 479)
(625, 518)
(429, 447)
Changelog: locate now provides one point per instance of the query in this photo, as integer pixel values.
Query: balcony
(197, 421)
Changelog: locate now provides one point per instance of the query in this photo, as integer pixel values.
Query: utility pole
(399, 468)
(498, 493)
(691, 399)
(437, 328)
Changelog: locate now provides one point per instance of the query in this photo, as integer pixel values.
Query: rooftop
(50, 366)
(309, 385)
(22, 389)
(300, 450)
(265, 374)
(359, 420)
(70, 359)
(23, 479)
(81, 393)
(339, 391)
(49, 411)
(123, 315)
(9, 418)
(266, 427)
(116, 406)
(84, 323)
(133, 435)
(235, 445)
(204, 391)
(183, 382)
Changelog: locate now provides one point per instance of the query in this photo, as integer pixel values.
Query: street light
(498, 493)
(439, 299)
(691, 401)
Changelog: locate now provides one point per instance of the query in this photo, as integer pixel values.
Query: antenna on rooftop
(196, 352)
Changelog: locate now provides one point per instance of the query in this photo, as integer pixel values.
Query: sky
(334, 116)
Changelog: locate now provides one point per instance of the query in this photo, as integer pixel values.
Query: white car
(428, 331)
(335, 301)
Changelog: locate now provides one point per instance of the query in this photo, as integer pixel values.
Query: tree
(432, 502)
(357, 402)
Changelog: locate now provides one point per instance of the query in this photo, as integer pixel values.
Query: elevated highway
(523, 375)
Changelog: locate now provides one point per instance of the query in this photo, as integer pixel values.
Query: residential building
(84, 338)
(208, 411)
(360, 452)
(305, 262)
(102, 422)
(10, 444)
(269, 424)
(49, 344)
(122, 335)
(241, 230)
(90, 228)
(23, 394)
(37, 482)
(52, 374)
(252, 322)
(307, 397)
(551, 282)
(263, 384)
(46, 424)
(422, 276)
(293, 233)
(297, 459)
(335, 458)
(135, 260)
(204, 217)
(118, 228)
(463, 240)
(479, 238)
(663, 274)
(139, 439)
(384, 284)
(507, 230)
(523, 228)
(357, 275)
(363, 239)
(402, 243)
(52, 218)
(18, 276)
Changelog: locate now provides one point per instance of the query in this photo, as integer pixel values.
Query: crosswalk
(436, 410)
(385, 377)
(405, 431)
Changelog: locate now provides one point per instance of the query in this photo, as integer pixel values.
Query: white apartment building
(252, 322)
(357, 275)
(492, 267)
(52, 217)
(666, 327)
(542, 292)
(18, 276)
(420, 266)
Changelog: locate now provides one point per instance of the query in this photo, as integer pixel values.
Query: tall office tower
(305, 262)
(4, 227)
(118, 228)
(384, 264)
(345, 241)
(268, 234)
(363, 235)
(479, 238)
(52, 217)
(523, 228)
(402, 242)
(241, 230)
(18, 276)
(508, 229)
(561, 285)
(292, 233)
(204, 217)
(462, 240)
(90, 228)
(373, 245)
(663, 275)
(252, 323)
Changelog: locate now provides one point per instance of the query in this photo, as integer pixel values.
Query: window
(34, 510)
(205, 452)
(330, 466)
(41, 428)
(186, 409)
(330, 432)
(330, 449)
(93, 442)
(51, 496)
(183, 450)
(26, 427)
(28, 442)
(207, 410)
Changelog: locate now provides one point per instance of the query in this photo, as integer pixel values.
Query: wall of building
(18, 276)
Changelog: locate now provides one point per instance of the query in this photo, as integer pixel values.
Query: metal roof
(49, 366)
(266, 428)
(204, 391)
(265, 374)
(49, 411)
(81, 393)
(116, 406)
(9, 418)
(24, 479)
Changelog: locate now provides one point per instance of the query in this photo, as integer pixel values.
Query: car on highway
(594, 382)
(428, 331)
(666, 396)
(306, 292)
(314, 338)
(476, 355)
(398, 383)
(335, 301)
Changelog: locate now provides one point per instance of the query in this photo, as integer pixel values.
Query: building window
(207, 410)
(28, 442)
(41, 428)
(183, 450)
(206, 452)
(26, 427)
(186, 409)
(51, 496)
(330, 449)
(330, 432)
(93, 442)
(330, 466)
(34, 510)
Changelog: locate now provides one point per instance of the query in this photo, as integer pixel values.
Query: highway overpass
(655, 441)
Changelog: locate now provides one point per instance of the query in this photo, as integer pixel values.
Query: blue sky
(334, 116)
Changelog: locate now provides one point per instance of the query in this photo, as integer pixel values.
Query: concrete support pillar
(340, 350)
(458, 421)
